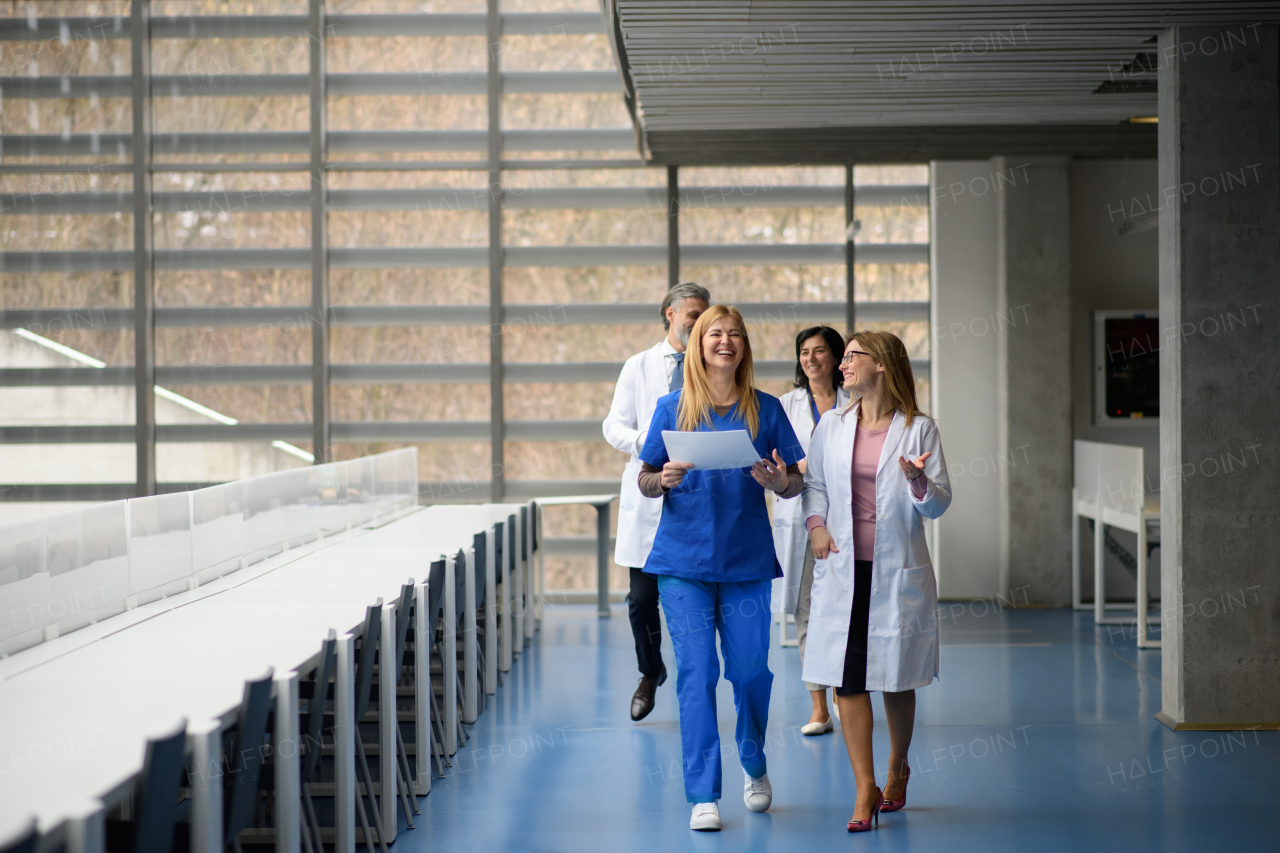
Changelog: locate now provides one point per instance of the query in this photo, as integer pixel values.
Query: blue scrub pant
(695, 610)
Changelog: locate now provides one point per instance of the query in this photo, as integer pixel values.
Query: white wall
(963, 376)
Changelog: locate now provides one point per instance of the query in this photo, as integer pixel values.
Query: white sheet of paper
(711, 451)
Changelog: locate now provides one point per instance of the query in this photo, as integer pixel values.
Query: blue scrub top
(715, 525)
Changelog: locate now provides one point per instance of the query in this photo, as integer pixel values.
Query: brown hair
(695, 399)
(888, 349)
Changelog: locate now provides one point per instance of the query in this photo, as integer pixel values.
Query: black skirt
(855, 651)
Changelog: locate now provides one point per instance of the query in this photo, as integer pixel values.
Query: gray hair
(682, 291)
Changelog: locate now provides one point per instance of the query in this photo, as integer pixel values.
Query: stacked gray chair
(245, 748)
(155, 804)
(365, 659)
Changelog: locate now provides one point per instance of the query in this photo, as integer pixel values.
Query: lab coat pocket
(917, 600)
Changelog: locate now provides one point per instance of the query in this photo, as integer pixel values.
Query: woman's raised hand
(912, 470)
(821, 543)
(772, 474)
(673, 473)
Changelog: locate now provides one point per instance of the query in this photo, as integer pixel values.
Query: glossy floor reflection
(1039, 736)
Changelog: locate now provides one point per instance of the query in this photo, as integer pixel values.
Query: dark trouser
(646, 625)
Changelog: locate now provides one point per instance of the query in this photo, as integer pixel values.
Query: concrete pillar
(1219, 362)
(1033, 377)
(965, 548)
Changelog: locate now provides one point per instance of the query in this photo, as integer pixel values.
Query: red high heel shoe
(894, 805)
(864, 825)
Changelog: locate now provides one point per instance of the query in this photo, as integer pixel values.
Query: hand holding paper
(711, 451)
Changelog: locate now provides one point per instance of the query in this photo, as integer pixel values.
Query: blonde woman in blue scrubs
(714, 558)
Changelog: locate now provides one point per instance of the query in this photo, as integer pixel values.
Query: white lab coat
(902, 630)
(789, 535)
(644, 379)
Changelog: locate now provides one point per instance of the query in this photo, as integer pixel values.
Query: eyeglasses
(848, 357)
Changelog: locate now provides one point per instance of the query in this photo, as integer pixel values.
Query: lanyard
(814, 406)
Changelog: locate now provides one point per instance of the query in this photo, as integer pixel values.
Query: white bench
(1109, 490)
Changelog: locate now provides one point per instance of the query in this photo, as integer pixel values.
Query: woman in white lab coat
(875, 472)
(818, 389)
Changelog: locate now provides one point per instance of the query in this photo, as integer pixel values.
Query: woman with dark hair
(875, 474)
(818, 390)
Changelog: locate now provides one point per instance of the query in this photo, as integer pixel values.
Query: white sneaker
(757, 793)
(706, 817)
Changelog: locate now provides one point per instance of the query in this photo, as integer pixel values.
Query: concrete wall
(963, 264)
(1219, 265)
(1033, 290)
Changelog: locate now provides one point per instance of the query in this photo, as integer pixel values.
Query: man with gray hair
(646, 377)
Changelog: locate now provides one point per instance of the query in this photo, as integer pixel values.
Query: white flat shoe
(835, 708)
(757, 793)
(706, 817)
(817, 728)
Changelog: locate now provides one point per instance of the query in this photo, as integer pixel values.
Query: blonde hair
(888, 349)
(695, 399)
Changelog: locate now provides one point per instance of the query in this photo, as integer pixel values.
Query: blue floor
(1038, 737)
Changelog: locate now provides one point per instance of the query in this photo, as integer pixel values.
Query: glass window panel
(190, 288)
(565, 111)
(584, 227)
(199, 59)
(550, 48)
(577, 285)
(563, 460)
(516, 182)
(403, 7)
(557, 401)
(88, 293)
(549, 6)
(267, 343)
(224, 461)
(61, 463)
(206, 228)
(409, 344)
(578, 573)
(79, 343)
(914, 335)
(244, 403)
(906, 174)
(896, 223)
(409, 287)
(891, 282)
(407, 112)
(459, 470)
(409, 402)
(426, 55)
(747, 180)
(67, 232)
(566, 344)
(773, 283)
(762, 225)
(422, 227)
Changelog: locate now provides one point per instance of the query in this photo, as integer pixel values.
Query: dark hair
(835, 342)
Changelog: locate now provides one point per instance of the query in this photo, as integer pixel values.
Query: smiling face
(861, 371)
(818, 362)
(723, 345)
